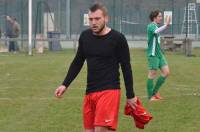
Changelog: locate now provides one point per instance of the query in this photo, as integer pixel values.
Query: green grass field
(27, 102)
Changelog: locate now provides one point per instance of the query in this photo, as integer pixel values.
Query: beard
(100, 29)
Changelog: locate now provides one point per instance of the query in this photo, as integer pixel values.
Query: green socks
(159, 83)
(151, 90)
(149, 87)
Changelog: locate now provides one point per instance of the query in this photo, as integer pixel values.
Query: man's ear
(106, 19)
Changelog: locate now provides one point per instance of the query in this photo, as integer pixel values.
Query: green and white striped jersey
(153, 40)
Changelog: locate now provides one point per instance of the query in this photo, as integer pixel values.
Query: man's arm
(73, 71)
(162, 28)
(17, 29)
(124, 60)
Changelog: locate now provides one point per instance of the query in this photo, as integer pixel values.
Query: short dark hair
(154, 14)
(14, 18)
(99, 6)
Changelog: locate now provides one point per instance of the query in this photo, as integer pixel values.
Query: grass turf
(27, 102)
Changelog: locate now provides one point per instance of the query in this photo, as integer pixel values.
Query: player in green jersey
(156, 59)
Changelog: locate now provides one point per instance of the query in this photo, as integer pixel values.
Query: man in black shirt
(104, 50)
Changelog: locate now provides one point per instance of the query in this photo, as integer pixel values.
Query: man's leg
(153, 65)
(15, 46)
(161, 79)
(150, 86)
(102, 129)
(88, 113)
(89, 130)
(163, 65)
(107, 110)
(10, 46)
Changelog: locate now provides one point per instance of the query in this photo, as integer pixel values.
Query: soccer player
(104, 50)
(156, 59)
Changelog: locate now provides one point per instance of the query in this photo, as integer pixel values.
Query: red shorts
(101, 109)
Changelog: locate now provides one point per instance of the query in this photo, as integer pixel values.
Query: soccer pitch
(27, 102)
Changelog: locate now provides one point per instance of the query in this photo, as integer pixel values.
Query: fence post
(187, 47)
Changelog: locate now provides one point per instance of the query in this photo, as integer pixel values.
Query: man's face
(158, 19)
(97, 21)
(8, 18)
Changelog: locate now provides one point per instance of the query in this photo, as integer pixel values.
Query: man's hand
(132, 102)
(59, 91)
(168, 21)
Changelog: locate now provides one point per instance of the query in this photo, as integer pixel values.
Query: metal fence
(67, 16)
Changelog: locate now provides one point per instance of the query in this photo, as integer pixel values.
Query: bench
(172, 44)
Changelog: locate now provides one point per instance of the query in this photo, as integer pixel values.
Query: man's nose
(94, 22)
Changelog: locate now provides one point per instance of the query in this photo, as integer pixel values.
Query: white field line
(80, 97)
(177, 87)
(37, 98)
(189, 91)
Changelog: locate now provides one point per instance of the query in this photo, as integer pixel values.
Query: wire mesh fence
(66, 17)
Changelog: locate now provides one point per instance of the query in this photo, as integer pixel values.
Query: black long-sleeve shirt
(103, 55)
